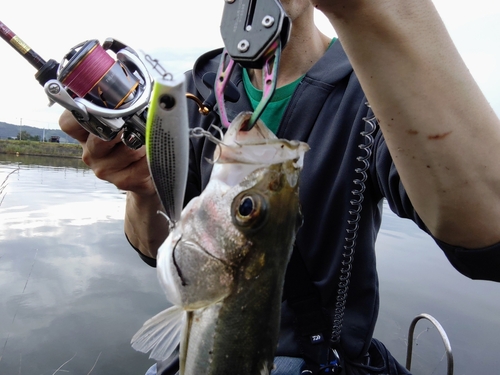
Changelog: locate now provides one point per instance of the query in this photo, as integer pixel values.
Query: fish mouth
(191, 245)
(198, 277)
(176, 265)
(243, 151)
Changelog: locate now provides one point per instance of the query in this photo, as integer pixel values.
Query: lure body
(167, 143)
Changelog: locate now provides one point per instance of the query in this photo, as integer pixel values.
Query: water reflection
(72, 289)
(70, 284)
(416, 277)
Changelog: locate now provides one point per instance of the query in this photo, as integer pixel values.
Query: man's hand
(112, 161)
(128, 170)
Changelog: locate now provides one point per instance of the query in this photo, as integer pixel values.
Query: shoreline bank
(34, 148)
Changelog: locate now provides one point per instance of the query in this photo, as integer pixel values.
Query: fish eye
(246, 206)
(249, 210)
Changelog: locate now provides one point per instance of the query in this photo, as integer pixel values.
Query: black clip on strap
(254, 32)
(250, 28)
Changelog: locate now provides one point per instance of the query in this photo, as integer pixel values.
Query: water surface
(72, 289)
(416, 277)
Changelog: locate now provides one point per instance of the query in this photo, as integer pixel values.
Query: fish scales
(223, 264)
(241, 331)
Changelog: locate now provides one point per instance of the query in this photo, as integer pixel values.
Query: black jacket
(329, 111)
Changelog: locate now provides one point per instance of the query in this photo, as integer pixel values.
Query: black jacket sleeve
(482, 263)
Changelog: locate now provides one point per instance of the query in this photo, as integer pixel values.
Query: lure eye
(249, 211)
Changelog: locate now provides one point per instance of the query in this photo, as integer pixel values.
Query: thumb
(69, 125)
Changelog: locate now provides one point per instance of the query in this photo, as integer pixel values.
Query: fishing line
(89, 71)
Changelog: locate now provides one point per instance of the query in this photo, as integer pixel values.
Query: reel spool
(105, 95)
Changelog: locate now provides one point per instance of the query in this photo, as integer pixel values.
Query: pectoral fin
(161, 334)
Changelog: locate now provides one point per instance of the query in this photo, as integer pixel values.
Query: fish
(222, 266)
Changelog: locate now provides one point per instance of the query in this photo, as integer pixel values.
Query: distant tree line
(25, 136)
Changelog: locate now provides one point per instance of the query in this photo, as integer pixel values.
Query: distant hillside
(11, 131)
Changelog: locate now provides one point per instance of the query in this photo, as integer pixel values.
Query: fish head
(236, 227)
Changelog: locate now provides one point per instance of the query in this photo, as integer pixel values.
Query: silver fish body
(223, 264)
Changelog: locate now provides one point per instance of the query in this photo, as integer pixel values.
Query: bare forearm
(440, 130)
(145, 228)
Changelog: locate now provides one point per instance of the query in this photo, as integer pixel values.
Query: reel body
(105, 95)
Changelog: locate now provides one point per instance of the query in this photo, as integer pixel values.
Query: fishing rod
(106, 94)
(18, 44)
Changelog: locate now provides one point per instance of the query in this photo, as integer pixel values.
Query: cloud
(178, 30)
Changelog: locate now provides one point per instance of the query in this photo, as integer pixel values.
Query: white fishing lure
(167, 142)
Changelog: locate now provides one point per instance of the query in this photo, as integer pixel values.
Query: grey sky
(161, 32)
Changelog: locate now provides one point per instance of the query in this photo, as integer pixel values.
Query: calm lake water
(73, 292)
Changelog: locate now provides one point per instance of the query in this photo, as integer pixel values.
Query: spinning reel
(106, 95)
(111, 95)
